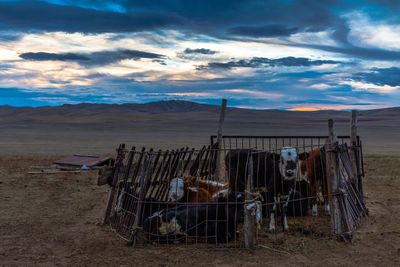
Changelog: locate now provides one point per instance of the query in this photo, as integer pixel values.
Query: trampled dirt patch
(53, 220)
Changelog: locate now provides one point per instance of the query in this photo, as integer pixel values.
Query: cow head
(288, 164)
(176, 189)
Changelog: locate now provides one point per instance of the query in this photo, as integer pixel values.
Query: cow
(312, 167)
(216, 222)
(273, 175)
(309, 167)
(190, 189)
(215, 188)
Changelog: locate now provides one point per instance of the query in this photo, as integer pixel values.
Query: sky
(294, 55)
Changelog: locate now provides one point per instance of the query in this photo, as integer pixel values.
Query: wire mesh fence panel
(175, 196)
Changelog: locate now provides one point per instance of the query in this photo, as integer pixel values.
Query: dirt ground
(54, 220)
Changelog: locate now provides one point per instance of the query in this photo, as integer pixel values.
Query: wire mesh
(175, 196)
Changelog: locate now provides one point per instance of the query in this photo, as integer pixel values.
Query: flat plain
(53, 219)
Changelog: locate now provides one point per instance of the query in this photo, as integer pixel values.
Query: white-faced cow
(309, 167)
(274, 176)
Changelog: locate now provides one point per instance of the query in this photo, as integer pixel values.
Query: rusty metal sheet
(81, 160)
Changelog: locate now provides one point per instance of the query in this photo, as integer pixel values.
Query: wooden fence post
(354, 149)
(144, 181)
(118, 163)
(249, 213)
(220, 171)
(332, 178)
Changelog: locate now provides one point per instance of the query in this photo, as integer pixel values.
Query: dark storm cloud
(42, 56)
(380, 76)
(95, 58)
(272, 30)
(36, 15)
(257, 62)
(202, 16)
(202, 51)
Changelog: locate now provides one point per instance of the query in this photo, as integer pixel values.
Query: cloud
(373, 34)
(257, 62)
(43, 56)
(272, 30)
(49, 17)
(380, 76)
(217, 18)
(202, 51)
(95, 58)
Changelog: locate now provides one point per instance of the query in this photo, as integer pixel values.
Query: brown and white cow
(191, 189)
(313, 168)
(307, 166)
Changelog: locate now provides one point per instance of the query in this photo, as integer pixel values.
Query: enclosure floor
(54, 219)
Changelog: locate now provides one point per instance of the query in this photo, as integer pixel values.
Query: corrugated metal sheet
(81, 160)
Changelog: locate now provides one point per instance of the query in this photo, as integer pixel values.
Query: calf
(312, 167)
(191, 190)
(215, 188)
(215, 222)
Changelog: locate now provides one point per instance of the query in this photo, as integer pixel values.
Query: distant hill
(98, 128)
(106, 112)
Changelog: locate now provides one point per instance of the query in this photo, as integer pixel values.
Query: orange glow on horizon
(304, 109)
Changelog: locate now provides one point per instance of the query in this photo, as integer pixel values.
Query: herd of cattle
(285, 184)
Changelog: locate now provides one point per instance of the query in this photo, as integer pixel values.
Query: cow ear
(303, 156)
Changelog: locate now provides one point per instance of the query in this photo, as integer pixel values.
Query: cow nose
(289, 172)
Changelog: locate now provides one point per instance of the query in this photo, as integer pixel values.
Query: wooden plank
(118, 163)
(220, 170)
(159, 175)
(204, 161)
(54, 172)
(354, 148)
(332, 177)
(188, 160)
(144, 175)
(167, 177)
(194, 169)
(154, 174)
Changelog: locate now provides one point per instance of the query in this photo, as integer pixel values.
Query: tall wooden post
(354, 149)
(118, 163)
(220, 171)
(332, 178)
(249, 209)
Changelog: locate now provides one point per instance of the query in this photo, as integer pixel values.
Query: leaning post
(332, 178)
(249, 209)
(118, 163)
(220, 172)
(354, 150)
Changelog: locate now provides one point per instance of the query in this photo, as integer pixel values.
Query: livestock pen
(237, 189)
